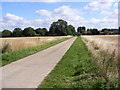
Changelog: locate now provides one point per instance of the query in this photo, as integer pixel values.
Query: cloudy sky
(91, 14)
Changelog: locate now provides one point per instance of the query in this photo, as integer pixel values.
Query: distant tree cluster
(18, 32)
(94, 31)
(58, 28)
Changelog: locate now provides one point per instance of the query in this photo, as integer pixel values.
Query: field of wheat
(107, 43)
(105, 49)
(18, 43)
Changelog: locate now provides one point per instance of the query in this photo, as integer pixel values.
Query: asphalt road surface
(30, 71)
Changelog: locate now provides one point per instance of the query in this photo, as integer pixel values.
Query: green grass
(75, 70)
(18, 54)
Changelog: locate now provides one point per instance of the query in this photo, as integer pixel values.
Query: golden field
(26, 42)
(107, 43)
(105, 49)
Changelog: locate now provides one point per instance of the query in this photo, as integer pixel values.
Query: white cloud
(64, 12)
(12, 17)
(72, 16)
(111, 18)
(67, 13)
(114, 14)
(97, 5)
(45, 13)
(101, 4)
(105, 12)
(115, 4)
(11, 21)
(110, 21)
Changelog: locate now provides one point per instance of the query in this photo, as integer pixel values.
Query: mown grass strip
(75, 70)
(18, 54)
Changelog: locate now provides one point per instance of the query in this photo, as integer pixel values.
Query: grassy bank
(18, 54)
(75, 70)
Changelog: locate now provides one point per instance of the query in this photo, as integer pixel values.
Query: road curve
(30, 71)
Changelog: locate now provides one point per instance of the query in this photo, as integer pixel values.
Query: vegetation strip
(75, 70)
(18, 54)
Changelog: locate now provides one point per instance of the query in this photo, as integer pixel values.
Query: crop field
(106, 52)
(105, 43)
(12, 44)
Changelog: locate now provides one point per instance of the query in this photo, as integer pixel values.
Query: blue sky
(27, 9)
(41, 14)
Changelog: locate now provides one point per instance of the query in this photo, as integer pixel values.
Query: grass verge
(18, 54)
(75, 70)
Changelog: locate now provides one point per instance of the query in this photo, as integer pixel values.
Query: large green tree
(38, 31)
(105, 31)
(58, 28)
(95, 31)
(6, 33)
(89, 31)
(71, 30)
(28, 31)
(41, 31)
(119, 30)
(81, 30)
(0, 34)
(44, 31)
(17, 32)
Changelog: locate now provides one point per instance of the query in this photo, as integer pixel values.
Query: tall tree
(6, 33)
(95, 31)
(58, 28)
(88, 31)
(17, 32)
(119, 30)
(28, 31)
(0, 34)
(44, 31)
(41, 31)
(71, 30)
(38, 31)
(81, 29)
(105, 30)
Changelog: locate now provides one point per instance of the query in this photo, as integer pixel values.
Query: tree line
(94, 31)
(58, 28)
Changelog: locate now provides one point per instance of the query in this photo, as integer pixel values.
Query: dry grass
(108, 44)
(26, 42)
(105, 49)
